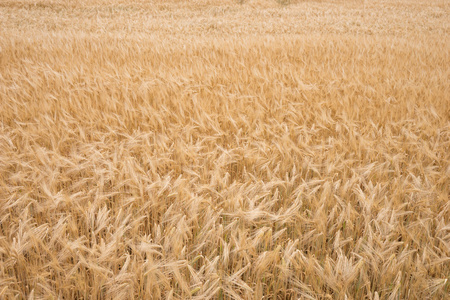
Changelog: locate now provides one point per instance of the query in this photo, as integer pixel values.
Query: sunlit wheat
(230, 149)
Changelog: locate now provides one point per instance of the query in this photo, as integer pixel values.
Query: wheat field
(212, 149)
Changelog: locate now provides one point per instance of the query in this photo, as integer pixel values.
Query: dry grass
(219, 150)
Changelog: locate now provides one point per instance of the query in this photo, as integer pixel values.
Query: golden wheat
(214, 149)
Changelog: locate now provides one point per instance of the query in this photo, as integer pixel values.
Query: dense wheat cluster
(214, 149)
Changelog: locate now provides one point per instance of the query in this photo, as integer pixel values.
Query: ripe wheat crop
(212, 149)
